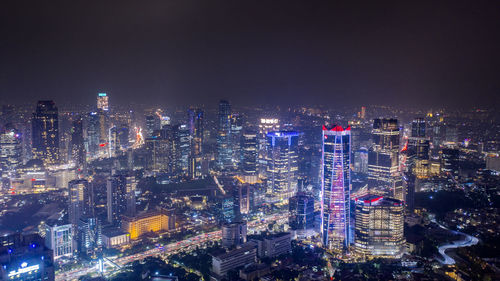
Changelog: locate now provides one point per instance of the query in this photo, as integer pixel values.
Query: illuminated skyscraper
(379, 227)
(418, 128)
(249, 147)
(266, 125)
(335, 187)
(450, 161)
(419, 149)
(10, 151)
(93, 138)
(236, 131)
(103, 128)
(224, 148)
(89, 239)
(195, 123)
(103, 123)
(153, 123)
(45, 130)
(102, 102)
(161, 151)
(383, 159)
(81, 201)
(282, 164)
(301, 219)
(362, 113)
(120, 197)
(182, 147)
(77, 144)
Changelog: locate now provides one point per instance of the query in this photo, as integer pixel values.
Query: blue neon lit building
(282, 164)
(335, 187)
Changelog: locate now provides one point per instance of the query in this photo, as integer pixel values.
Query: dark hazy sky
(444, 53)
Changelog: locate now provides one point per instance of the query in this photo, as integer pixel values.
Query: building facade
(153, 221)
(379, 228)
(45, 132)
(336, 187)
(282, 164)
(59, 238)
(80, 200)
(301, 219)
(224, 147)
(234, 234)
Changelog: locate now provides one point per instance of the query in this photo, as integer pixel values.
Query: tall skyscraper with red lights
(335, 187)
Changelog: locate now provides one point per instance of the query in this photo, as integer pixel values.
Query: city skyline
(242, 141)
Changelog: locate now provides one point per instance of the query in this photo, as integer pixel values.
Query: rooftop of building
(377, 200)
(283, 134)
(243, 248)
(113, 232)
(269, 236)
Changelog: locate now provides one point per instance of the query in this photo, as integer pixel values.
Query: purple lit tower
(335, 187)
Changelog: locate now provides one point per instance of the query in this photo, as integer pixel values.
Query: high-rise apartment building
(153, 123)
(249, 151)
(282, 164)
(301, 219)
(80, 200)
(224, 148)
(196, 130)
(236, 132)
(335, 187)
(266, 125)
(45, 132)
(383, 159)
(120, 190)
(10, 152)
(419, 149)
(379, 227)
(161, 151)
(450, 161)
(102, 101)
(182, 148)
(77, 145)
(89, 236)
(93, 134)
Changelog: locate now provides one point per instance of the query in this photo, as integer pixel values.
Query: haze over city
(280, 52)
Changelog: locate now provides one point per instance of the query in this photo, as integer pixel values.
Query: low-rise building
(115, 237)
(222, 263)
(234, 234)
(152, 221)
(273, 245)
(25, 258)
(254, 271)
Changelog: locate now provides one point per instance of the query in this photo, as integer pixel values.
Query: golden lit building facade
(379, 227)
(154, 221)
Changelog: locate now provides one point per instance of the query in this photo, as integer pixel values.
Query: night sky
(426, 53)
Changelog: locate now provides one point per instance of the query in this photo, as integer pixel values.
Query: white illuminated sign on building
(24, 269)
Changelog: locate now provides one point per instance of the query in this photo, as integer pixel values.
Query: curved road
(465, 242)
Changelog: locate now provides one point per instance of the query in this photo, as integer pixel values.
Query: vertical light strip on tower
(335, 187)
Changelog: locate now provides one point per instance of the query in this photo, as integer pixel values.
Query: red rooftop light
(337, 128)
